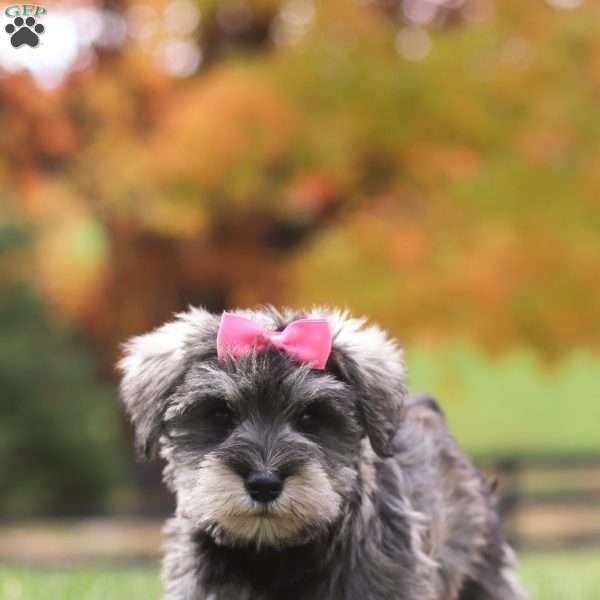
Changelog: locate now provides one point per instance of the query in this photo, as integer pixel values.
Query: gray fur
(378, 501)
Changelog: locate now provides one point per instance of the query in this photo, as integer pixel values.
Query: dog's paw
(24, 31)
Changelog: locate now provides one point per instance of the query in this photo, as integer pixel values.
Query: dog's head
(262, 448)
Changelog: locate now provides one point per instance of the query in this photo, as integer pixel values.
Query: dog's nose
(264, 486)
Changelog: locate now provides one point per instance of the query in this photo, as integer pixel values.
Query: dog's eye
(308, 420)
(214, 413)
(221, 416)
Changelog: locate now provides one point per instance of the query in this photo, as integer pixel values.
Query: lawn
(574, 576)
(548, 577)
(512, 403)
(79, 584)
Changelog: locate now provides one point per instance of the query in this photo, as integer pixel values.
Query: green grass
(574, 576)
(513, 403)
(79, 584)
(547, 577)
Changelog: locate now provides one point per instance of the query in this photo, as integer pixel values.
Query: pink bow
(307, 340)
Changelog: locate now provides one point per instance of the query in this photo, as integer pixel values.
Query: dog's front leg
(182, 565)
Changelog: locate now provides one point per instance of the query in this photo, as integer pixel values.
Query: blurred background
(433, 164)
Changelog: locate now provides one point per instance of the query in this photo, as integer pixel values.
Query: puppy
(301, 467)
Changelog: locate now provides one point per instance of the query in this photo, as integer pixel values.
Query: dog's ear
(372, 362)
(152, 366)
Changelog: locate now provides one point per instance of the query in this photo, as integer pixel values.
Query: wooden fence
(549, 502)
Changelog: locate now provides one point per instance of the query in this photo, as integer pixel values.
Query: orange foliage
(458, 195)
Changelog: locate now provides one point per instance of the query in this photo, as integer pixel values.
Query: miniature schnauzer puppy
(302, 468)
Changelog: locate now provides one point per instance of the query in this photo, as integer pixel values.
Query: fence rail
(548, 501)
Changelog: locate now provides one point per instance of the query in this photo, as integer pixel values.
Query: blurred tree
(59, 447)
(433, 164)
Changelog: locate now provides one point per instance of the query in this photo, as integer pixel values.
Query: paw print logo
(24, 32)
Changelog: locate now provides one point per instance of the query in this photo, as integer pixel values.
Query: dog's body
(295, 483)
